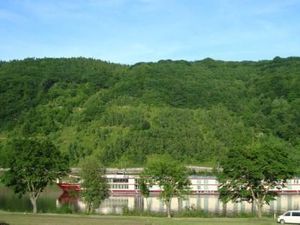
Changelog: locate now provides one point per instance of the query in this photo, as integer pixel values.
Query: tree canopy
(253, 173)
(33, 164)
(170, 175)
(195, 111)
(94, 185)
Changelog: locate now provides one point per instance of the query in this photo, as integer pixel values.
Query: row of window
(204, 187)
(119, 186)
(125, 180)
(202, 181)
(293, 214)
(117, 180)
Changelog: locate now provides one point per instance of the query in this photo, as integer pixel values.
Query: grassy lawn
(57, 219)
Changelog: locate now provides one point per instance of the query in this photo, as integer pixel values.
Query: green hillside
(195, 111)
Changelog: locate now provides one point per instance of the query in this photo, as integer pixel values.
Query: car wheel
(282, 222)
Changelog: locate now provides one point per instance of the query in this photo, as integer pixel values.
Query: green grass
(55, 219)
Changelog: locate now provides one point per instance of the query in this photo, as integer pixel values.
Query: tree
(170, 175)
(144, 184)
(94, 187)
(34, 164)
(3, 155)
(251, 174)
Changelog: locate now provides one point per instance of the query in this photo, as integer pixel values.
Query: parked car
(292, 216)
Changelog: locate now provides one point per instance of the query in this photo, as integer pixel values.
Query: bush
(188, 212)
(3, 223)
(140, 212)
(65, 209)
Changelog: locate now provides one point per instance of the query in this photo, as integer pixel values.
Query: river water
(54, 200)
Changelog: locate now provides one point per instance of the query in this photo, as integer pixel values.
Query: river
(53, 200)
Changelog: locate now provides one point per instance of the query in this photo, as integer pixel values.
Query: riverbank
(63, 219)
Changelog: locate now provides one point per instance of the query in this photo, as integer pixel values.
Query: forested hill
(195, 111)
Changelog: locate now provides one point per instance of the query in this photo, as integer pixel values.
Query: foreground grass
(57, 219)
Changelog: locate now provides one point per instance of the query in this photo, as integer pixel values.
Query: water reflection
(12, 202)
(208, 203)
(53, 200)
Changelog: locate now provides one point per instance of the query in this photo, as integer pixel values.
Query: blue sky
(130, 31)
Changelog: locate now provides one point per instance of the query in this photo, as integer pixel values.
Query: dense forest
(194, 111)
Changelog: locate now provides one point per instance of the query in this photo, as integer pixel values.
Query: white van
(289, 217)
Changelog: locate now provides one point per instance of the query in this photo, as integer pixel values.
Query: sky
(131, 31)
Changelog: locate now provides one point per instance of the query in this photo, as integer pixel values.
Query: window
(287, 214)
(295, 213)
(119, 186)
(120, 180)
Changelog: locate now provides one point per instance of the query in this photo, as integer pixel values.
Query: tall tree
(144, 184)
(252, 173)
(94, 186)
(34, 164)
(170, 175)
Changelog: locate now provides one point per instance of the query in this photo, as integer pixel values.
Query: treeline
(194, 111)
